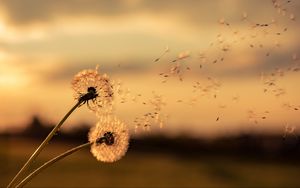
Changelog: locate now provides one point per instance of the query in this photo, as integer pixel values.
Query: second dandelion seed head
(109, 138)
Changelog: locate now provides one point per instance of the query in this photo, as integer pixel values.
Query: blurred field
(142, 169)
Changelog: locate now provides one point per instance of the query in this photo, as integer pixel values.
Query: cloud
(23, 12)
(27, 11)
(79, 45)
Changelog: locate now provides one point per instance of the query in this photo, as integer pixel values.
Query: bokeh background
(223, 77)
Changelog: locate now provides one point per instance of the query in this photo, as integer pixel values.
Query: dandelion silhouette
(89, 85)
(96, 91)
(110, 138)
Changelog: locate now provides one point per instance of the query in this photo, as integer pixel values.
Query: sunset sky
(244, 55)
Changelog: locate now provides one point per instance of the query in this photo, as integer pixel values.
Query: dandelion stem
(43, 144)
(50, 162)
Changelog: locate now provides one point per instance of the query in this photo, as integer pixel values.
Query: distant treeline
(248, 145)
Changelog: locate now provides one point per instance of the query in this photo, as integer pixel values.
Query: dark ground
(244, 160)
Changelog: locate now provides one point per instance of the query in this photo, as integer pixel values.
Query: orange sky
(43, 44)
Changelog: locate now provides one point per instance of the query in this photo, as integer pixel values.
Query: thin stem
(43, 144)
(50, 162)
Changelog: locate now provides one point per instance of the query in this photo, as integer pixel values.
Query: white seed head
(109, 152)
(91, 78)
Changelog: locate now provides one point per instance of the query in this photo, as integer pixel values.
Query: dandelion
(110, 138)
(89, 85)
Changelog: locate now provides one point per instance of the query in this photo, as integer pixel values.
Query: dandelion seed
(166, 51)
(289, 130)
(94, 89)
(110, 138)
(292, 17)
(235, 98)
(182, 55)
(225, 49)
(221, 21)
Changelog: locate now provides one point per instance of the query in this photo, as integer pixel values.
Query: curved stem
(43, 144)
(50, 162)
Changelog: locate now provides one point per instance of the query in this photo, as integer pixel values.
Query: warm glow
(41, 51)
(11, 77)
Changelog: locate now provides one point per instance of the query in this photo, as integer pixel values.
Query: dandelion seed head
(90, 85)
(110, 138)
